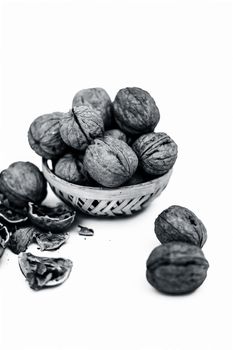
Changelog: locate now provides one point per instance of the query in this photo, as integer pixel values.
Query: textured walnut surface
(177, 223)
(23, 182)
(44, 135)
(110, 161)
(70, 168)
(156, 152)
(81, 127)
(176, 268)
(135, 111)
(98, 99)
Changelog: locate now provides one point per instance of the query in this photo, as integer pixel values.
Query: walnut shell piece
(98, 99)
(176, 268)
(156, 152)
(41, 272)
(135, 111)
(21, 238)
(23, 182)
(110, 161)
(177, 223)
(51, 241)
(44, 135)
(81, 126)
(55, 219)
(70, 168)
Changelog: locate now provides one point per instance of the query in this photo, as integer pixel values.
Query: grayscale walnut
(177, 223)
(23, 182)
(98, 99)
(176, 268)
(70, 168)
(110, 161)
(156, 152)
(135, 111)
(44, 135)
(81, 127)
(117, 134)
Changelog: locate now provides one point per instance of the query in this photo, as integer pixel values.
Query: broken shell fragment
(4, 235)
(85, 231)
(41, 272)
(53, 219)
(21, 238)
(51, 241)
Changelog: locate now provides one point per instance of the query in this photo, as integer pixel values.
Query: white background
(181, 52)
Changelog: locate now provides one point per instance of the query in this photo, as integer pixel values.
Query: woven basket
(99, 201)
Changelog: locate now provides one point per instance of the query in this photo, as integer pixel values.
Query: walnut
(70, 168)
(135, 111)
(23, 182)
(156, 152)
(177, 223)
(118, 134)
(98, 99)
(176, 268)
(81, 126)
(44, 135)
(110, 161)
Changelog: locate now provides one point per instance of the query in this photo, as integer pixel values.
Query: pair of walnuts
(104, 142)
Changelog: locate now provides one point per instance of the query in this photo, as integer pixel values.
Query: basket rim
(46, 169)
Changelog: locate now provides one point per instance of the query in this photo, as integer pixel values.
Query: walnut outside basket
(99, 201)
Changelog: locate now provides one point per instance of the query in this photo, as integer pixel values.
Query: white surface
(181, 53)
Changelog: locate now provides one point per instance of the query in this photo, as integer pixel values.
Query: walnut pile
(103, 143)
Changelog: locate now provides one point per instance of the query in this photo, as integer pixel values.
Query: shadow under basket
(101, 201)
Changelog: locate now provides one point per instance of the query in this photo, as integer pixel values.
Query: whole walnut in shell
(44, 135)
(110, 161)
(23, 182)
(70, 168)
(81, 126)
(98, 99)
(135, 111)
(178, 223)
(156, 152)
(117, 134)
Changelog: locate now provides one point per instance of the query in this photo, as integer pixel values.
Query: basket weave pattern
(99, 201)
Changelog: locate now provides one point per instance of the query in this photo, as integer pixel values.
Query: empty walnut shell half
(96, 98)
(23, 182)
(110, 161)
(156, 152)
(11, 216)
(70, 168)
(176, 268)
(44, 272)
(135, 111)
(177, 223)
(81, 127)
(44, 135)
(54, 219)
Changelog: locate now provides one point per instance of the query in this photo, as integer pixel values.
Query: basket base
(125, 207)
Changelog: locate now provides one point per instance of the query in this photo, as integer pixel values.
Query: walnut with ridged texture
(156, 152)
(81, 127)
(135, 111)
(110, 162)
(44, 135)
